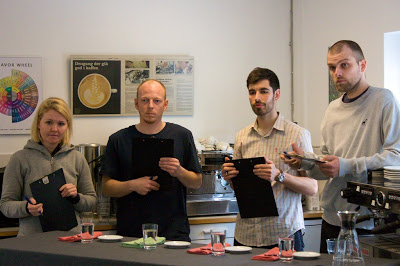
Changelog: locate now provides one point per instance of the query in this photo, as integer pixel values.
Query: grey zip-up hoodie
(34, 162)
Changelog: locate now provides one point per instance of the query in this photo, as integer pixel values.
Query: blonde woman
(48, 150)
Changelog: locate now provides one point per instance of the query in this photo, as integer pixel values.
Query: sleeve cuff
(74, 200)
(345, 166)
(27, 210)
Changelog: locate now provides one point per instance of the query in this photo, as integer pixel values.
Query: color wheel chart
(19, 96)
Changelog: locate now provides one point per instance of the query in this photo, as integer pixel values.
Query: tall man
(359, 132)
(268, 136)
(141, 199)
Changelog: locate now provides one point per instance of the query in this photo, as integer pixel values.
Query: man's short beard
(346, 89)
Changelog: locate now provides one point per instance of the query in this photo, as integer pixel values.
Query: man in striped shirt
(268, 136)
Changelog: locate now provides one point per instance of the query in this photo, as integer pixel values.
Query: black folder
(146, 154)
(58, 212)
(254, 195)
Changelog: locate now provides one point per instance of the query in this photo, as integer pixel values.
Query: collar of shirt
(346, 99)
(278, 125)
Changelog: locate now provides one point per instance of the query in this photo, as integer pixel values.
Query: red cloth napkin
(77, 237)
(273, 255)
(288, 253)
(270, 255)
(206, 249)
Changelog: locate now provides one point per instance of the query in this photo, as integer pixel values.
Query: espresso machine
(384, 203)
(215, 196)
(94, 153)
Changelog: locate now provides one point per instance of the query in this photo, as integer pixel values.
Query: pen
(287, 155)
(30, 202)
(151, 177)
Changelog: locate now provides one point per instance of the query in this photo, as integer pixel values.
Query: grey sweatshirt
(364, 134)
(32, 163)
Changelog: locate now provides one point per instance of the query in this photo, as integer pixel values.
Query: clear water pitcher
(348, 250)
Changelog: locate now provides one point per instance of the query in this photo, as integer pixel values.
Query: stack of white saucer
(392, 176)
(377, 177)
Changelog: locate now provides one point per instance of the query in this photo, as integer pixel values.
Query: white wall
(227, 38)
(319, 24)
(392, 62)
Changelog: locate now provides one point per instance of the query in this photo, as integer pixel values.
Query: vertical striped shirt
(251, 142)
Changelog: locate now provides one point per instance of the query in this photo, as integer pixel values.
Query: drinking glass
(286, 248)
(218, 242)
(87, 227)
(330, 245)
(150, 232)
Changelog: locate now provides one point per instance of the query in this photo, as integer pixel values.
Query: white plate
(391, 175)
(306, 255)
(110, 238)
(395, 168)
(177, 244)
(238, 249)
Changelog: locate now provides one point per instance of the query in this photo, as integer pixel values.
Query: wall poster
(20, 93)
(107, 85)
(333, 92)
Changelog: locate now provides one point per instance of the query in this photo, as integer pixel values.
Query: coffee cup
(94, 91)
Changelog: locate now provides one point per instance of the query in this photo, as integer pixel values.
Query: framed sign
(20, 93)
(107, 85)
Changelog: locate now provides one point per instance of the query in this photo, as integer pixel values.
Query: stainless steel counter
(211, 204)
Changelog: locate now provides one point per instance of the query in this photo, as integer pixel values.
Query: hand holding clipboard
(60, 213)
(254, 195)
(34, 209)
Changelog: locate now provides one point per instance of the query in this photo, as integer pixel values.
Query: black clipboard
(146, 154)
(254, 195)
(58, 212)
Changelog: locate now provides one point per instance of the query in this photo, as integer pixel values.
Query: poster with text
(96, 87)
(107, 85)
(20, 93)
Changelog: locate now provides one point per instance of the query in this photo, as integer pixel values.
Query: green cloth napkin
(138, 243)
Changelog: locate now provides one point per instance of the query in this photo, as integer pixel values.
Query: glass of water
(87, 227)
(150, 232)
(286, 248)
(218, 242)
(331, 245)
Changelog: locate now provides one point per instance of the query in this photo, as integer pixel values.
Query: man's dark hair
(259, 74)
(338, 46)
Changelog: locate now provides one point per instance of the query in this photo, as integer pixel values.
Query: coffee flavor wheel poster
(96, 87)
(20, 93)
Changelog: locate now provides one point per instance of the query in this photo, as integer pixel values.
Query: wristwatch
(281, 177)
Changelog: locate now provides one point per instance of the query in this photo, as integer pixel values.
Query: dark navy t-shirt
(167, 208)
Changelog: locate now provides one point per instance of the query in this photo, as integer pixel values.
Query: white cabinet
(312, 236)
(200, 233)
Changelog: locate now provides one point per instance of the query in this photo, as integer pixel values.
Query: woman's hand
(35, 209)
(68, 190)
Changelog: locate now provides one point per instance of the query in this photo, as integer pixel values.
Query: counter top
(110, 223)
(313, 214)
(45, 249)
(232, 218)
